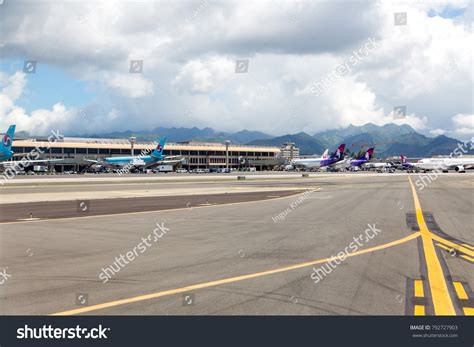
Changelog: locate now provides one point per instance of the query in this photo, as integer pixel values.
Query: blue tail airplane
(155, 158)
(6, 152)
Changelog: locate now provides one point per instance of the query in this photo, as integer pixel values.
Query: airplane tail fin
(404, 160)
(158, 151)
(369, 153)
(7, 141)
(340, 151)
(325, 154)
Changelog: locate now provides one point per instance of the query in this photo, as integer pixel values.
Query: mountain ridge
(389, 139)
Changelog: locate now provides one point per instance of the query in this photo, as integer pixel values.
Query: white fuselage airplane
(444, 164)
(324, 160)
(377, 165)
(309, 162)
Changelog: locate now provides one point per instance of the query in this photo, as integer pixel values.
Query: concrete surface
(52, 263)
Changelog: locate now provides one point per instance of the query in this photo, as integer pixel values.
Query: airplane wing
(170, 160)
(340, 164)
(173, 159)
(29, 162)
(92, 161)
(461, 165)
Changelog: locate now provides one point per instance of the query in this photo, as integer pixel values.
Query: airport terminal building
(197, 155)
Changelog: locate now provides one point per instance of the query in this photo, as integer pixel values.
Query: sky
(274, 66)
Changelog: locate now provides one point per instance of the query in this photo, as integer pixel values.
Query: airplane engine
(460, 168)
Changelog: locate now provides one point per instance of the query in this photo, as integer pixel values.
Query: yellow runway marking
(468, 258)
(444, 247)
(468, 311)
(419, 292)
(419, 310)
(228, 280)
(452, 244)
(460, 291)
(442, 302)
(468, 246)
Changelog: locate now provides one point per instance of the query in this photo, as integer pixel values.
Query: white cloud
(437, 132)
(39, 121)
(12, 87)
(132, 85)
(464, 124)
(203, 75)
(189, 52)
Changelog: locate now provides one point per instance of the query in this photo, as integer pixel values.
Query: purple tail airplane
(363, 158)
(406, 163)
(316, 163)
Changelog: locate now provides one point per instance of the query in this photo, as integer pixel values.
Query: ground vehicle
(182, 170)
(165, 168)
(40, 169)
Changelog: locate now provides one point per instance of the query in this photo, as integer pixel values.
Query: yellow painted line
(228, 280)
(460, 291)
(444, 247)
(468, 258)
(468, 246)
(468, 311)
(452, 244)
(419, 292)
(442, 302)
(419, 310)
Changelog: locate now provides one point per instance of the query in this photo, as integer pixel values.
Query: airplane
(6, 153)
(133, 162)
(324, 160)
(364, 158)
(458, 164)
(355, 163)
(378, 165)
(405, 163)
(290, 167)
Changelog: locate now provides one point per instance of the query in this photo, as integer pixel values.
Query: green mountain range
(388, 140)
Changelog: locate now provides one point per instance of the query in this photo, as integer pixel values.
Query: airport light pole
(132, 140)
(227, 142)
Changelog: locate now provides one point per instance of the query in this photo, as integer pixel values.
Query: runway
(252, 257)
(33, 211)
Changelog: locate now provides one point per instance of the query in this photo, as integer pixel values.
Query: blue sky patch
(447, 12)
(48, 86)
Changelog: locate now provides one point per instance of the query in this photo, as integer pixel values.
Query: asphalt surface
(66, 188)
(81, 208)
(254, 258)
